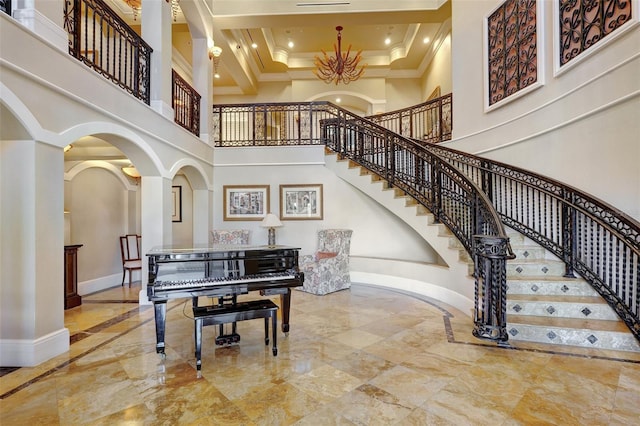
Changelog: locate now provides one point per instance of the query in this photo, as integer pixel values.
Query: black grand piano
(222, 272)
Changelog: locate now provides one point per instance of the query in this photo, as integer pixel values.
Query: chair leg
(130, 274)
(124, 272)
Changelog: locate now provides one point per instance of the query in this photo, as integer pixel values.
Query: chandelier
(339, 69)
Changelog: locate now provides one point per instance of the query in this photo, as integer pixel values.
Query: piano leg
(285, 305)
(160, 317)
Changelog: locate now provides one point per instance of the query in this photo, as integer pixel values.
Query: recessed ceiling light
(216, 75)
(338, 100)
(254, 45)
(290, 44)
(425, 40)
(387, 41)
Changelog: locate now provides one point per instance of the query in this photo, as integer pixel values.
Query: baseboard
(414, 286)
(103, 283)
(29, 353)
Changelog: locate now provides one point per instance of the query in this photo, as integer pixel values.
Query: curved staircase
(543, 306)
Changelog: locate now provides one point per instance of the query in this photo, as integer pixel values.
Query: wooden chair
(130, 251)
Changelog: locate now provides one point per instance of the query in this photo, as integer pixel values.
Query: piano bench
(223, 314)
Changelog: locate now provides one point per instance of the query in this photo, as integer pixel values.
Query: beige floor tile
(364, 356)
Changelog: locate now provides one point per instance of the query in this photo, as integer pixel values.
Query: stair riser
(550, 288)
(591, 311)
(529, 253)
(574, 337)
(516, 269)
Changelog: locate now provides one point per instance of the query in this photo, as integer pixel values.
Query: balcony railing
(431, 121)
(299, 123)
(186, 104)
(103, 41)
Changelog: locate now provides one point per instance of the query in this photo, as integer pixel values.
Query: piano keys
(220, 271)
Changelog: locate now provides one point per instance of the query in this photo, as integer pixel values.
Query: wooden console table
(71, 296)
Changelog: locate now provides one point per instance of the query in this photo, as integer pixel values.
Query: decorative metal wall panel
(512, 48)
(583, 23)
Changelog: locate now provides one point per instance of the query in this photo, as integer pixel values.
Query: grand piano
(221, 272)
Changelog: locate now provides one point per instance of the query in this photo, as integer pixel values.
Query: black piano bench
(223, 314)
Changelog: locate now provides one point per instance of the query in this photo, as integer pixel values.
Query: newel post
(490, 314)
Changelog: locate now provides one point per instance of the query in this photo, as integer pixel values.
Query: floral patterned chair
(328, 269)
(229, 236)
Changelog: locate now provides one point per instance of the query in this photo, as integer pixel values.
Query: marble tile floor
(364, 356)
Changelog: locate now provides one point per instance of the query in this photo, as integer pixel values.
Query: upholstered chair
(327, 270)
(229, 236)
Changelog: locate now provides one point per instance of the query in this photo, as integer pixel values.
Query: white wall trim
(29, 353)
(563, 124)
(540, 107)
(103, 283)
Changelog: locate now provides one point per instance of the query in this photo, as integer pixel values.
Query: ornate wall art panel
(512, 48)
(583, 23)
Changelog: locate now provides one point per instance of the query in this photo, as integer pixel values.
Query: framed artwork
(245, 202)
(301, 202)
(176, 212)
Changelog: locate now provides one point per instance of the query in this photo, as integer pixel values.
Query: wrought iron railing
(269, 124)
(185, 103)
(454, 199)
(431, 121)
(5, 6)
(594, 239)
(103, 41)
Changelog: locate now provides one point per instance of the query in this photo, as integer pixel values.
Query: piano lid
(170, 249)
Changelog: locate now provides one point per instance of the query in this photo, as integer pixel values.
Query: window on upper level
(512, 37)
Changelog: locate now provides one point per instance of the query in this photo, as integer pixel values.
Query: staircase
(543, 306)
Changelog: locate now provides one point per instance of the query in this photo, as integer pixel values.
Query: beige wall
(580, 127)
(377, 232)
(438, 72)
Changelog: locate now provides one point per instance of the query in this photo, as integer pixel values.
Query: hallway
(364, 356)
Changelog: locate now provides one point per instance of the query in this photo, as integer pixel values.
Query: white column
(156, 31)
(202, 217)
(32, 253)
(155, 222)
(203, 83)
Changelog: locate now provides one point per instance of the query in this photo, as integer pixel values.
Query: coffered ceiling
(414, 29)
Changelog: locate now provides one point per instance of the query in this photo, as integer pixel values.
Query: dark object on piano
(216, 315)
(220, 271)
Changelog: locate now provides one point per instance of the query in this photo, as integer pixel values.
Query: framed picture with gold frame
(245, 202)
(301, 202)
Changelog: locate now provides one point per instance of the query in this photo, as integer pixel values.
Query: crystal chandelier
(339, 69)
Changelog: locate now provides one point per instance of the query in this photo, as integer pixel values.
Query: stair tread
(573, 323)
(543, 278)
(528, 261)
(560, 298)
